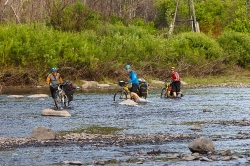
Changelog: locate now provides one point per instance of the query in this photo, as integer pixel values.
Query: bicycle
(167, 92)
(124, 92)
(64, 94)
(61, 98)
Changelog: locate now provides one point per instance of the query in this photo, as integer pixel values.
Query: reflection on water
(20, 116)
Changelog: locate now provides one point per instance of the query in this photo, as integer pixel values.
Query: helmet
(53, 69)
(127, 67)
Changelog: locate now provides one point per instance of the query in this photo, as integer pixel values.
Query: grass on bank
(232, 77)
(191, 81)
(216, 80)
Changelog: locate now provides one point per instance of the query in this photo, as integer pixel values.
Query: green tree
(214, 15)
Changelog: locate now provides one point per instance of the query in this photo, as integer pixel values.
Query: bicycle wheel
(65, 100)
(61, 100)
(120, 96)
(58, 100)
(56, 103)
(145, 95)
(164, 93)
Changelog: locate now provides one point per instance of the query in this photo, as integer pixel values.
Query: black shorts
(53, 92)
(134, 88)
(176, 86)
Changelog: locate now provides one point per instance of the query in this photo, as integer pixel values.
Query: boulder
(51, 112)
(196, 127)
(103, 85)
(201, 145)
(205, 159)
(72, 162)
(128, 102)
(43, 133)
(173, 156)
(227, 158)
(15, 96)
(226, 152)
(157, 82)
(38, 96)
(94, 85)
(142, 100)
(89, 84)
(189, 157)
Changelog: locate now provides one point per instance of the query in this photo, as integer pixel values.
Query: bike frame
(61, 98)
(125, 91)
(166, 91)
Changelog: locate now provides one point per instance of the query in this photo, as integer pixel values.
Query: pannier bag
(67, 86)
(143, 89)
(122, 83)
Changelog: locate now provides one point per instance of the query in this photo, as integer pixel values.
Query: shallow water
(19, 117)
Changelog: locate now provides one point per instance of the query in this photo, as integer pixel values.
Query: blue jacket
(133, 78)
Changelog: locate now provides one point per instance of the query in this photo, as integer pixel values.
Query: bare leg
(135, 96)
(54, 100)
(174, 94)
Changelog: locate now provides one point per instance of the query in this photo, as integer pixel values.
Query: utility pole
(193, 23)
(171, 29)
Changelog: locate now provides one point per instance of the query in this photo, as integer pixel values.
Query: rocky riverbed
(157, 133)
(122, 140)
(127, 140)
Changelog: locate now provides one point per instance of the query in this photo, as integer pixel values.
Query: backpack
(143, 89)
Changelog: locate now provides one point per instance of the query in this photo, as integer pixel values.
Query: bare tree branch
(3, 9)
(15, 14)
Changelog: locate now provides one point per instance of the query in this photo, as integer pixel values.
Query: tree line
(214, 16)
(40, 10)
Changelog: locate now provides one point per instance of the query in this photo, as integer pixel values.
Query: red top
(175, 77)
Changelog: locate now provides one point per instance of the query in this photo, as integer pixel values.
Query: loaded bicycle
(124, 92)
(166, 91)
(64, 94)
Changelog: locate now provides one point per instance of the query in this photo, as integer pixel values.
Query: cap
(53, 69)
(127, 67)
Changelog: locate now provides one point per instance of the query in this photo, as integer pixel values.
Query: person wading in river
(135, 83)
(176, 83)
(54, 79)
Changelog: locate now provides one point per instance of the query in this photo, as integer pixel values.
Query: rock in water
(51, 112)
(128, 102)
(201, 145)
(42, 133)
(142, 100)
(38, 96)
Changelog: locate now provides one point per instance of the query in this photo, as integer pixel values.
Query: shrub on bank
(237, 48)
(102, 54)
(195, 54)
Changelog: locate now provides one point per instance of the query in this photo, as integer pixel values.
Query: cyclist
(176, 82)
(135, 83)
(54, 79)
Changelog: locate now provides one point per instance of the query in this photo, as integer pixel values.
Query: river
(95, 109)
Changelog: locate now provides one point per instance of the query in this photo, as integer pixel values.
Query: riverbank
(89, 86)
(235, 77)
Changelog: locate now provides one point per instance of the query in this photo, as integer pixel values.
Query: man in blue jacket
(135, 83)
